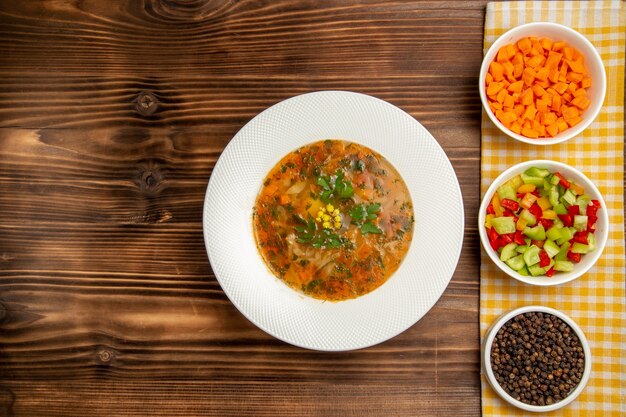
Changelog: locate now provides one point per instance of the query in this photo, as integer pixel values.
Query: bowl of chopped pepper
(543, 222)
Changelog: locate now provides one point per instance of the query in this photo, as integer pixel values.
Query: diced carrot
(494, 87)
(574, 77)
(561, 124)
(574, 121)
(556, 103)
(529, 133)
(497, 70)
(542, 106)
(509, 101)
(581, 92)
(493, 107)
(548, 118)
(524, 45)
(568, 51)
(547, 98)
(507, 117)
(572, 87)
(542, 73)
(516, 87)
(553, 76)
(527, 97)
(518, 59)
(529, 113)
(552, 129)
(284, 199)
(519, 109)
(509, 70)
(563, 69)
(488, 78)
(586, 82)
(528, 76)
(567, 97)
(560, 87)
(511, 50)
(553, 59)
(503, 55)
(581, 102)
(516, 128)
(558, 46)
(538, 90)
(539, 128)
(546, 43)
(535, 61)
(576, 65)
(537, 46)
(501, 95)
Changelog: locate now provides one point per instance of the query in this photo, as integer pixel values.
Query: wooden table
(112, 115)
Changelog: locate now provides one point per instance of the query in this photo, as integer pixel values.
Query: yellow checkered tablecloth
(596, 301)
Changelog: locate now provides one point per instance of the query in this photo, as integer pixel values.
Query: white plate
(291, 316)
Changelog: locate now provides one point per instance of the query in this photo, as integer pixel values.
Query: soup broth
(333, 220)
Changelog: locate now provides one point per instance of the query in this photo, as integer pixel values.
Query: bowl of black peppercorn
(536, 358)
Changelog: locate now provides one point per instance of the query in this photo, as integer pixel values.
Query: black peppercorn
(537, 358)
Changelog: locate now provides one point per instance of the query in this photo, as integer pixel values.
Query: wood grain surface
(112, 115)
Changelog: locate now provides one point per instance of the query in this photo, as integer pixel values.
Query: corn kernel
(336, 212)
(337, 219)
(337, 225)
(330, 208)
(326, 225)
(326, 217)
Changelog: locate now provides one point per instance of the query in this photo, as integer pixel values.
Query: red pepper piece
(490, 209)
(492, 234)
(550, 272)
(544, 259)
(592, 210)
(510, 204)
(495, 245)
(565, 183)
(508, 213)
(573, 210)
(581, 237)
(575, 257)
(536, 194)
(520, 195)
(506, 239)
(596, 203)
(547, 223)
(536, 210)
(538, 243)
(519, 238)
(566, 219)
(591, 227)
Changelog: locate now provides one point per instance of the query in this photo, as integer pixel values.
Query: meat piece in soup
(333, 220)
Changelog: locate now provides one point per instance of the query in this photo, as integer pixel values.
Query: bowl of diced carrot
(553, 210)
(542, 83)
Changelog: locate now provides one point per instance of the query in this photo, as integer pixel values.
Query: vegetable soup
(333, 220)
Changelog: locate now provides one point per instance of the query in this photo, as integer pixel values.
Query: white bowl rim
(570, 132)
(561, 277)
(486, 358)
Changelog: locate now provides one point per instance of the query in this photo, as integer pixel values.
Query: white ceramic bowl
(593, 63)
(486, 359)
(602, 226)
